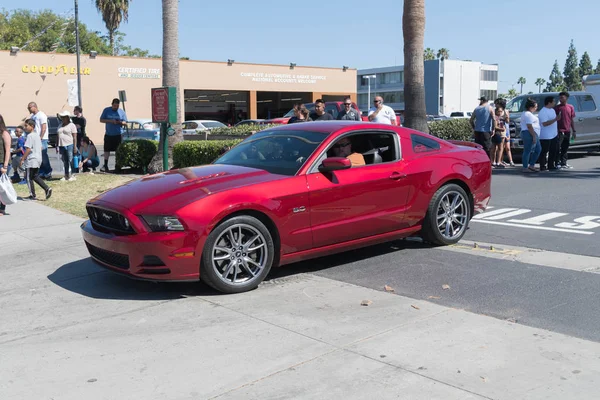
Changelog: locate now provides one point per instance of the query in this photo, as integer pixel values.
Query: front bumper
(168, 256)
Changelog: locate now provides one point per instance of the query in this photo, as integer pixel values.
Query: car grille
(107, 220)
(108, 257)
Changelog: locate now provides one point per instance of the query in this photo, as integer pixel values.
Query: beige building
(223, 91)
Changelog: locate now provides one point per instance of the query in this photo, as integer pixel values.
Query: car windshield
(151, 126)
(213, 124)
(190, 125)
(457, 114)
(275, 151)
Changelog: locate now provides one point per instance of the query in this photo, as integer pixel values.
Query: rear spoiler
(465, 143)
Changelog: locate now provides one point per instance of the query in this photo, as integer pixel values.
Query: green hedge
(240, 130)
(136, 153)
(190, 153)
(452, 129)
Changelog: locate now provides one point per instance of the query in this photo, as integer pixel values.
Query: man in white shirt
(548, 135)
(41, 128)
(381, 113)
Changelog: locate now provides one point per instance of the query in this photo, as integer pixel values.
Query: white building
(450, 85)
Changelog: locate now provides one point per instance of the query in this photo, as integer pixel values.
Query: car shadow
(86, 278)
(559, 174)
(348, 257)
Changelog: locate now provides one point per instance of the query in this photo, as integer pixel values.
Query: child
(18, 154)
(32, 159)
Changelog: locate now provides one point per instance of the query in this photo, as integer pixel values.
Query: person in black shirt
(320, 114)
(349, 113)
(301, 114)
(80, 122)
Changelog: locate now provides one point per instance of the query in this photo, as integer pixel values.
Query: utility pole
(78, 55)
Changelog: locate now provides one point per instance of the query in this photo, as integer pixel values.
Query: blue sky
(524, 38)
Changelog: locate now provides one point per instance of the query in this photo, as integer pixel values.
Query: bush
(190, 153)
(240, 130)
(452, 129)
(136, 153)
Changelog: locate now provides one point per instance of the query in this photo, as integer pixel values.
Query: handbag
(8, 195)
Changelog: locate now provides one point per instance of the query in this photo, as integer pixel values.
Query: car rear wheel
(448, 216)
(238, 255)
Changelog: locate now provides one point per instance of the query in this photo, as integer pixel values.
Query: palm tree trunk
(413, 27)
(170, 66)
(111, 41)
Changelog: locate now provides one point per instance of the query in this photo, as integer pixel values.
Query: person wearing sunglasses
(343, 148)
(380, 113)
(348, 113)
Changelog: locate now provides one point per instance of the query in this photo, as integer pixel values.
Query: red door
(357, 202)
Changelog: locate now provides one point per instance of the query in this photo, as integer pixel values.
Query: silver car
(587, 117)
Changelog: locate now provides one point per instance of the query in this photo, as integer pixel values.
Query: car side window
(572, 101)
(135, 125)
(586, 103)
(332, 109)
(421, 144)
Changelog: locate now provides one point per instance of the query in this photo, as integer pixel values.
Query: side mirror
(334, 164)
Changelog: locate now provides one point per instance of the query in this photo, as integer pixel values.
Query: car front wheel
(448, 216)
(237, 255)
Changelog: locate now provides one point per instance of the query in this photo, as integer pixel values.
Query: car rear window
(421, 144)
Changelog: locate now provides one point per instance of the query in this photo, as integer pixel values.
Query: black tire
(430, 231)
(239, 254)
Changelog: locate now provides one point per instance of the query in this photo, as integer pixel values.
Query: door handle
(598, 118)
(580, 120)
(396, 176)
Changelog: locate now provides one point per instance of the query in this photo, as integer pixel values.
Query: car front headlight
(163, 223)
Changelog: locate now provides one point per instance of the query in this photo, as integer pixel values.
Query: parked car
(142, 129)
(587, 119)
(281, 196)
(461, 114)
(250, 122)
(195, 126)
(53, 124)
(331, 107)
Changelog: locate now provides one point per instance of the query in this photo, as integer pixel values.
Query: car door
(133, 130)
(358, 202)
(587, 120)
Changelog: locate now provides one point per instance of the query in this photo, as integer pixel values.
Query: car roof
(201, 120)
(329, 126)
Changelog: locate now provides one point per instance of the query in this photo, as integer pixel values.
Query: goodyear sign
(54, 70)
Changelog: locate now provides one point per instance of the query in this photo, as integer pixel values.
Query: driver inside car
(344, 149)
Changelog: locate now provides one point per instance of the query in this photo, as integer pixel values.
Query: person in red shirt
(566, 128)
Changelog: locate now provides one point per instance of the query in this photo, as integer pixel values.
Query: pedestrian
(67, 136)
(32, 159)
(5, 141)
(115, 120)
(17, 153)
(530, 131)
(505, 118)
(566, 129)
(80, 123)
(483, 124)
(348, 113)
(89, 155)
(320, 114)
(498, 138)
(41, 128)
(380, 113)
(301, 114)
(549, 134)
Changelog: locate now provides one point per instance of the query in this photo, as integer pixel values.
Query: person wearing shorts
(483, 124)
(115, 120)
(498, 138)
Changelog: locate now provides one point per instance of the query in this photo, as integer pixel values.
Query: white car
(195, 126)
(461, 114)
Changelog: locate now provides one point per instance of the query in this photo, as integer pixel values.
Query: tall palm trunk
(111, 41)
(413, 27)
(170, 66)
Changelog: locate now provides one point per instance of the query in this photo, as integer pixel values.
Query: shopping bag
(8, 195)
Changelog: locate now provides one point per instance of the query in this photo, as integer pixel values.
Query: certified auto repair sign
(139, 73)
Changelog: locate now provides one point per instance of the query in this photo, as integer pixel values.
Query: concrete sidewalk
(70, 330)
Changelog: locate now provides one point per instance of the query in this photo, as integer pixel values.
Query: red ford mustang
(287, 194)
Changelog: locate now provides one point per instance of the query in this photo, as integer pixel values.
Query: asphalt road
(557, 299)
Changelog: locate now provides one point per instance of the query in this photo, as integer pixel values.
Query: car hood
(167, 192)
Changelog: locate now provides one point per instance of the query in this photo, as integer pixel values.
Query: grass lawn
(71, 197)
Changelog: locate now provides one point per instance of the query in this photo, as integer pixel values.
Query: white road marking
(507, 215)
(541, 228)
(539, 220)
(572, 262)
(492, 213)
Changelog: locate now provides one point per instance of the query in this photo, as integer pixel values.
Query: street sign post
(164, 111)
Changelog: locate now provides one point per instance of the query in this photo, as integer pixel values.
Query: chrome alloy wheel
(239, 255)
(452, 215)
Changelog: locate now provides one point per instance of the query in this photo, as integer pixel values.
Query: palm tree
(539, 82)
(443, 53)
(413, 28)
(512, 93)
(429, 54)
(113, 13)
(521, 82)
(170, 66)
